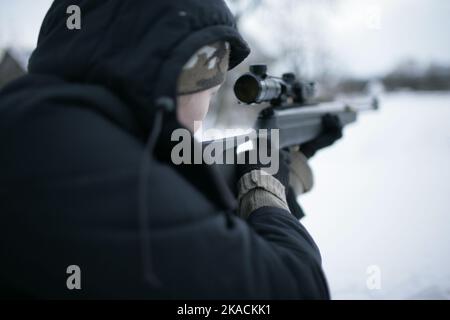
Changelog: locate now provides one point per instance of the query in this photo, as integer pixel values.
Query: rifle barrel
(301, 124)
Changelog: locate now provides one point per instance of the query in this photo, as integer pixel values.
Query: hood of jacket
(134, 48)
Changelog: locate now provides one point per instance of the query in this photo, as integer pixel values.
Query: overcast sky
(417, 29)
(367, 37)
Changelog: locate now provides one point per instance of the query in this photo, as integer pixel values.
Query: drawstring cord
(229, 220)
(162, 105)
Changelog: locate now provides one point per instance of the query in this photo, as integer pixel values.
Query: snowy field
(381, 198)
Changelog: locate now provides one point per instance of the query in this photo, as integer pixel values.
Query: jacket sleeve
(268, 256)
(287, 241)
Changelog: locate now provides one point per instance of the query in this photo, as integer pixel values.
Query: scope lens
(247, 89)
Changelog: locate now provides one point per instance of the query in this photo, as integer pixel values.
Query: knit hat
(206, 69)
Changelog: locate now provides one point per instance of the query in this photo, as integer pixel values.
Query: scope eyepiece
(257, 87)
(252, 89)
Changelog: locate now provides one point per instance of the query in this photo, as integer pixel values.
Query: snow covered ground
(381, 198)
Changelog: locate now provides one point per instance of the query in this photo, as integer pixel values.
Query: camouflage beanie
(206, 69)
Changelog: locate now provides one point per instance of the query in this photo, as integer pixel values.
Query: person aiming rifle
(86, 178)
(303, 126)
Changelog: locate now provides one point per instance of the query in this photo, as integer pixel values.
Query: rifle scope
(258, 87)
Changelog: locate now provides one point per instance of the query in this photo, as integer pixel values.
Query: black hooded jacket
(80, 185)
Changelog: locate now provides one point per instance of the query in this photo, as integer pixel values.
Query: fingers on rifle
(332, 127)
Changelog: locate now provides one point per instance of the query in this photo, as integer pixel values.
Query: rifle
(292, 109)
(292, 106)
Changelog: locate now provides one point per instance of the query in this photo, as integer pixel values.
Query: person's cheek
(205, 108)
(201, 109)
(193, 108)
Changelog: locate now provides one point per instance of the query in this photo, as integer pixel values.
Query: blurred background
(381, 202)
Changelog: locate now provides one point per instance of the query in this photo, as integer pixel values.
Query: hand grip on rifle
(331, 132)
(256, 188)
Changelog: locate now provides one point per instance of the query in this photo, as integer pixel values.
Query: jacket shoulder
(62, 134)
(42, 118)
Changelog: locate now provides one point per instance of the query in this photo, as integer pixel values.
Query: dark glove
(283, 172)
(331, 132)
(294, 206)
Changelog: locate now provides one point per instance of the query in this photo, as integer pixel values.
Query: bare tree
(295, 29)
(243, 7)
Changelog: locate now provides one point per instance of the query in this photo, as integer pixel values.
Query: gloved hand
(301, 176)
(294, 173)
(331, 132)
(284, 162)
(257, 188)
